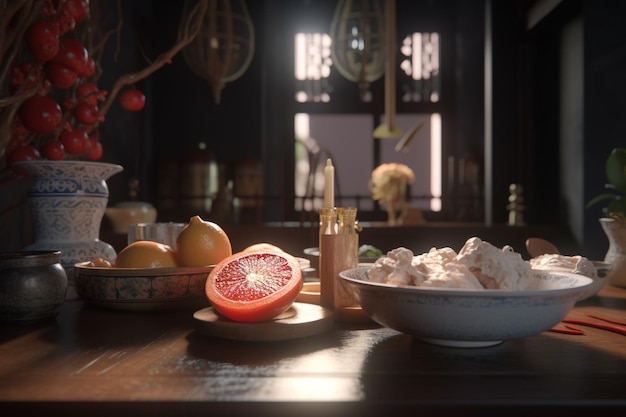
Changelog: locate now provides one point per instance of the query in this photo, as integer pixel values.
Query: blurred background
(526, 92)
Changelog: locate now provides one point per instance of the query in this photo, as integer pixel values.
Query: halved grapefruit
(254, 286)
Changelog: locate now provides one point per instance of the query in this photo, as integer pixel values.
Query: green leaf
(369, 251)
(616, 169)
(618, 205)
(601, 197)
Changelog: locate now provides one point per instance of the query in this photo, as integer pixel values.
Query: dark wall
(254, 115)
(251, 117)
(605, 105)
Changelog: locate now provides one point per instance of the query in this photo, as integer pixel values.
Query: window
(345, 136)
(312, 67)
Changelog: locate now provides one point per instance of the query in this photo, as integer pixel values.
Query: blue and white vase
(68, 200)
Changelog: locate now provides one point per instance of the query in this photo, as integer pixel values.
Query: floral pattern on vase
(68, 200)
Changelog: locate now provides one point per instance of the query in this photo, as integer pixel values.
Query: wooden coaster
(301, 320)
(352, 315)
(310, 293)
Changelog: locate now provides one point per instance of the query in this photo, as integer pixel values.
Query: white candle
(329, 184)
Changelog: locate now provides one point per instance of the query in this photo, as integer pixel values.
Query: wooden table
(93, 361)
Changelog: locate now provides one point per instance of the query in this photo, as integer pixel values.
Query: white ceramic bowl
(469, 318)
(603, 272)
(142, 288)
(600, 278)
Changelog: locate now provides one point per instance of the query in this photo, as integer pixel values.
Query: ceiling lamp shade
(224, 47)
(358, 41)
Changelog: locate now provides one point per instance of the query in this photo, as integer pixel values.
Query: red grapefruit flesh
(254, 286)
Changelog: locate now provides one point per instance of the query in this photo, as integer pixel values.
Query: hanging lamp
(358, 42)
(224, 47)
(389, 130)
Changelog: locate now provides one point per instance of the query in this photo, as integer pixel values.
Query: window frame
(344, 88)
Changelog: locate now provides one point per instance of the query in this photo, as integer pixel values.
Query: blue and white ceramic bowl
(142, 288)
(469, 318)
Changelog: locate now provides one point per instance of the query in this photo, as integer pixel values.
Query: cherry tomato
(94, 151)
(26, 76)
(53, 150)
(89, 69)
(74, 141)
(87, 113)
(72, 54)
(66, 24)
(30, 74)
(40, 114)
(88, 128)
(23, 153)
(42, 38)
(19, 133)
(132, 100)
(76, 9)
(68, 103)
(60, 76)
(88, 93)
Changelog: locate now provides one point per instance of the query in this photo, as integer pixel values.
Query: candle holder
(339, 251)
(328, 245)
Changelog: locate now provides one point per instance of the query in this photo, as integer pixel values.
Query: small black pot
(33, 286)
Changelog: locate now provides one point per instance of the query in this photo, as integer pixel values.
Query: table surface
(93, 361)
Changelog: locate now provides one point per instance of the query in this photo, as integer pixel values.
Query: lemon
(146, 254)
(202, 243)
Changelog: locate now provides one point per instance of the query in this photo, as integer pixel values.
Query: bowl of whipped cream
(598, 271)
(479, 296)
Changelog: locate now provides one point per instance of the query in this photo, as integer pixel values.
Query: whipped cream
(478, 265)
(576, 264)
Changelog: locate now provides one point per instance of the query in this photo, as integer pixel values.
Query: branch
(15, 18)
(188, 30)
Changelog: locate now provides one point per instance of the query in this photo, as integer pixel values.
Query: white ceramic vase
(68, 200)
(616, 255)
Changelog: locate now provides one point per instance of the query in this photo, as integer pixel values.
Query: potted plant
(51, 98)
(52, 103)
(616, 175)
(614, 222)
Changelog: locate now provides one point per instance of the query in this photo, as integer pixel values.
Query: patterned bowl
(142, 288)
(469, 318)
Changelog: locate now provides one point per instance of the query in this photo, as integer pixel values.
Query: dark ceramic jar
(32, 285)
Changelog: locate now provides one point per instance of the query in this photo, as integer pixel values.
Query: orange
(262, 246)
(202, 243)
(100, 263)
(254, 286)
(146, 254)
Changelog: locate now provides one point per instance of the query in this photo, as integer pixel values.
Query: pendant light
(223, 49)
(389, 130)
(358, 42)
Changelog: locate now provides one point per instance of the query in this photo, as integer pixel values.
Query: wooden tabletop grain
(91, 361)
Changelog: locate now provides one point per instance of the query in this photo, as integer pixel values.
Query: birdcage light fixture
(224, 47)
(358, 42)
